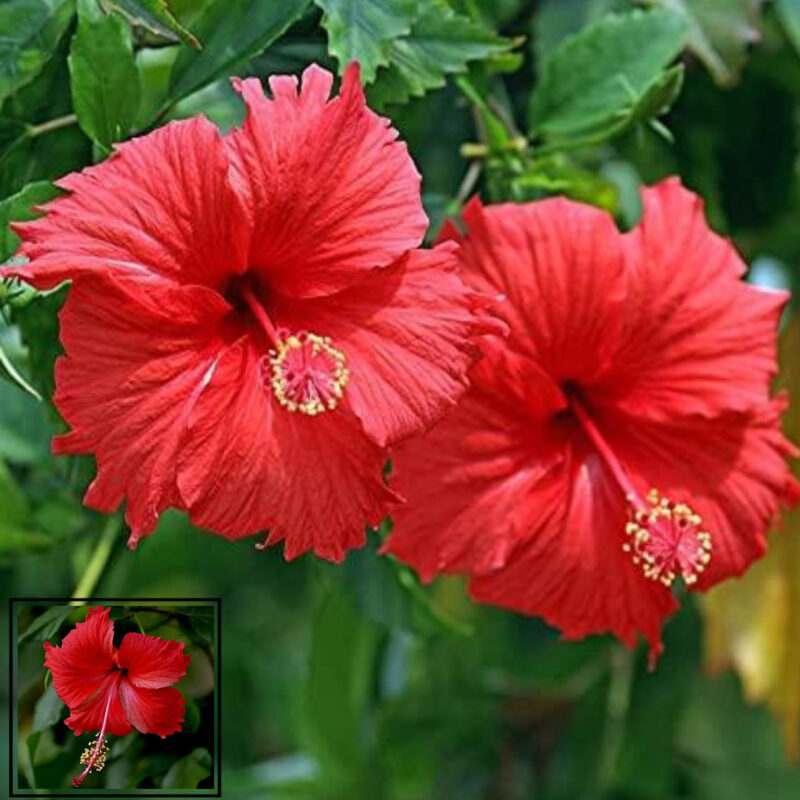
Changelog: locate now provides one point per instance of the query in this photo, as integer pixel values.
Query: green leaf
(441, 42)
(32, 742)
(156, 16)
(598, 74)
(29, 33)
(14, 508)
(46, 624)
(47, 710)
(556, 19)
(154, 65)
(18, 208)
(336, 698)
(788, 12)
(192, 714)
(720, 32)
(12, 133)
(104, 80)
(14, 375)
(187, 772)
(361, 30)
(38, 324)
(219, 101)
(659, 96)
(15, 540)
(388, 592)
(232, 32)
(556, 174)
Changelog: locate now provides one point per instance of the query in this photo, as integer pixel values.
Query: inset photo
(115, 695)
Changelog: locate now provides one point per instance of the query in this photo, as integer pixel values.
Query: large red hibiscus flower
(249, 324)
(622, 439)
(112, 691)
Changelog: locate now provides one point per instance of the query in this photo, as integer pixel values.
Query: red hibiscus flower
(622, 439)
(248, 325)
(112, 690)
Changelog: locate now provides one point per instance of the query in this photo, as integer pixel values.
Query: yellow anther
(308, 374)
(664, 538)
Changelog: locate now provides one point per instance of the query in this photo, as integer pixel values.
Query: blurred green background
(355, 681)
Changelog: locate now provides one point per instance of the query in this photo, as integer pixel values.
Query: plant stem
(617, 707)
(97, 564)
(141, 629)
(52, 125)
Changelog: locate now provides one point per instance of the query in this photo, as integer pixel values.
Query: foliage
(357, 681)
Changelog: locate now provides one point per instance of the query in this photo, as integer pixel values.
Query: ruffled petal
(572, 570)
(560, 266)
(161, 205)
(409, 332)
(90, 714)
(159, 711)
(152, 662)
(467, 507)
(470, 481)
(731, 470)
(330, 189)
(698, 340)
(138, 352)
(251, 465)
(84, 659)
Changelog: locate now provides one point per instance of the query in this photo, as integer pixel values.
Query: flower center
(665, 539)
(306, 372)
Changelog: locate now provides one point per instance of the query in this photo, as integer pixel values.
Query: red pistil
(96, 758)
(260, 314)
(667, 540)
(306, 372)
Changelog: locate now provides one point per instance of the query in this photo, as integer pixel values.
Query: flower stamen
(667, 540)
(94, 756)
(307, 373)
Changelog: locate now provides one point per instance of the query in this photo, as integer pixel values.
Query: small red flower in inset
(622, 439)
(112, 691)
(249, 323)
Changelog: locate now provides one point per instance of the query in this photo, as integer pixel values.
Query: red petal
(249, 465)
(561, 268)
(161, 205)
(572, 570)
(137, 354)
(470, 480)
(158, 711)
(409, 335)
(698, 340)
(152, 662)
(84, 659)
(332, 192)
(90, 714)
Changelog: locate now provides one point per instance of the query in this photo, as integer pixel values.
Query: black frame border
(13, 701)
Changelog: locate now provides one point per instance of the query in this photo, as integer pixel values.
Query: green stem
(617, 708)
(52, 125)
(141, 629)
(97, 564)
(580, 142)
